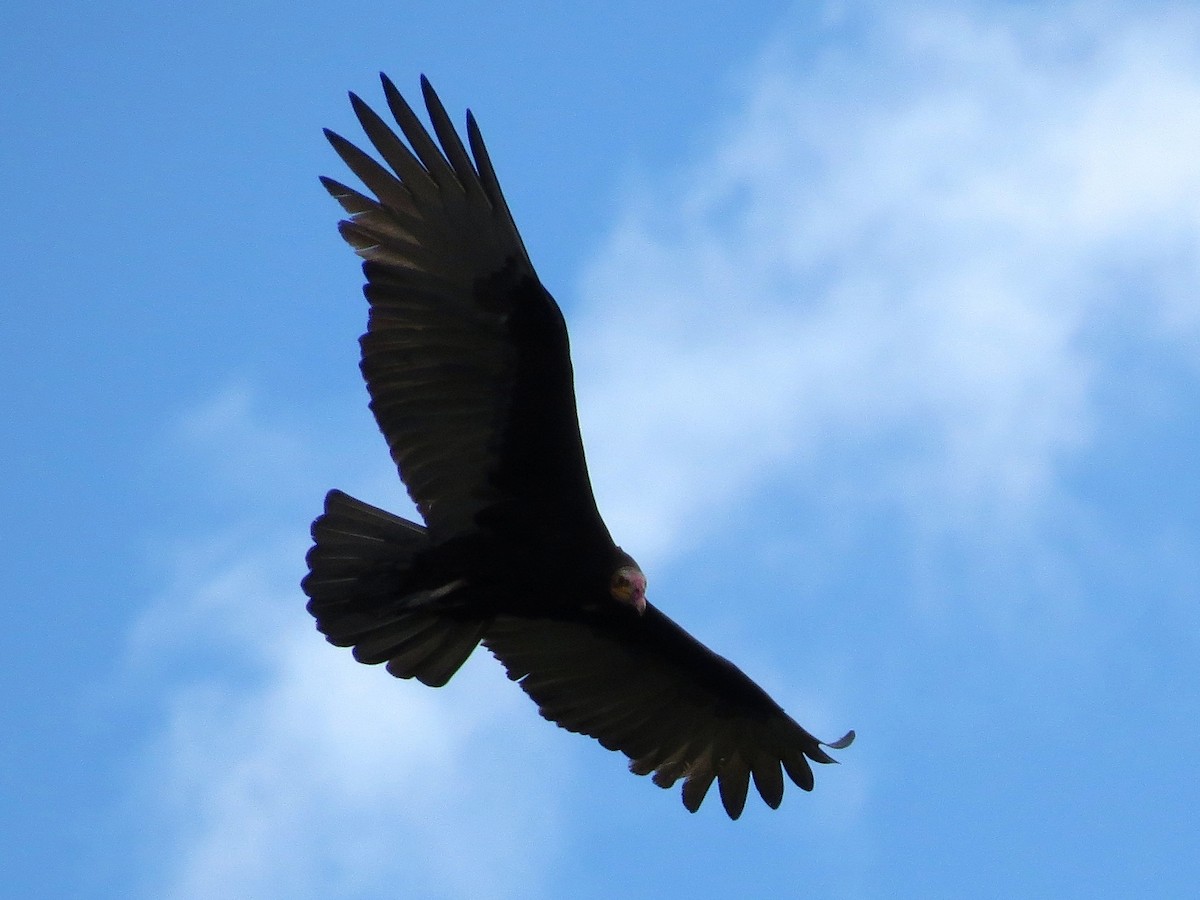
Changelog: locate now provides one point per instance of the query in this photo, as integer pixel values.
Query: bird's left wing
(644, 686)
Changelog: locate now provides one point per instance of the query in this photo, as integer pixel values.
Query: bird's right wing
(460, 327)
(644, 686)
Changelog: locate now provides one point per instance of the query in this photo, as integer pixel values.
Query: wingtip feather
(695, 789)
(733, 784)
(843, 742)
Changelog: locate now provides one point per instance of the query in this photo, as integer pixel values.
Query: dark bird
(469, 371)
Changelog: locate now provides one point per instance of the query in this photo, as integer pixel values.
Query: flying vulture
(467, 364)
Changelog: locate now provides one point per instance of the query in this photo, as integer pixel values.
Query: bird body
(467, 362)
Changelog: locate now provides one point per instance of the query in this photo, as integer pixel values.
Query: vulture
(468, 369)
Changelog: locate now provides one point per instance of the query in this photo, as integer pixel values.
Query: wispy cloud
(915, 240)
(284, 768)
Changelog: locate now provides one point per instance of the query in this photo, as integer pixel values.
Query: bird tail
(360, 589)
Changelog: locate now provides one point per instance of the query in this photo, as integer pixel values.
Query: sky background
(886, 320)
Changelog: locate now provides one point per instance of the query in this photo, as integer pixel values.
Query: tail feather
(456, 644)
(358, 568)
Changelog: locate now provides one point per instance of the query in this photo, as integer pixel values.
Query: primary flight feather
(467, 363)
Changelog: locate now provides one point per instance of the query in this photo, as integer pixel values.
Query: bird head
(628, 585)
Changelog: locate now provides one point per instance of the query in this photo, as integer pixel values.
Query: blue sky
(886, 322)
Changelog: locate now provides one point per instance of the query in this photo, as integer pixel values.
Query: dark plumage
(468, 367)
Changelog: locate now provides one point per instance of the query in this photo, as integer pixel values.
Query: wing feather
(768, 777)
(643, 686)
(416, 173)
(390, 190)
(697, 785)
(456, 153)
(440, 177)
(733, 782)
(446, 270)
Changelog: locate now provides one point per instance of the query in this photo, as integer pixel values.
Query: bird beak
(637, 594)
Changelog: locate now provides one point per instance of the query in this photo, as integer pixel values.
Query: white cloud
(910, 238)
(285, 769)
(237, 442)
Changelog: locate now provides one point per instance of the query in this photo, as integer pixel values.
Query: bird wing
(644, 686)
(465, 354)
